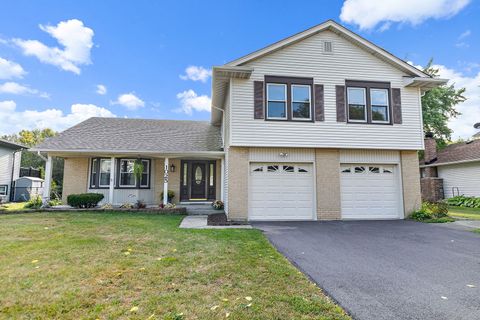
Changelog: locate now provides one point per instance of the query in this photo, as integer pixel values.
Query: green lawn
(466, 213)
(140, 266)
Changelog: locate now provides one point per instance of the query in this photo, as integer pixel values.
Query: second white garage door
(281, 191)
(370, 191)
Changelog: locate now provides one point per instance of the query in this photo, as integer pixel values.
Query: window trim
(96, 184)
(293, 85)
(99, 174)
(288, 82)
(126, 186)
(387, 106)
(6, 190)
(368, 85)
(284, 101)
(365, 108)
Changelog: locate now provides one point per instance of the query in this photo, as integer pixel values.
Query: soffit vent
(327, 47)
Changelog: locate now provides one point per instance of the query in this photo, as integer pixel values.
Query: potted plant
(170, 196)
(217, 204)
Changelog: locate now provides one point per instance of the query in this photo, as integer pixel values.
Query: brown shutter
(319, 103)
(258, 100)
(340, 95)
(397, 106)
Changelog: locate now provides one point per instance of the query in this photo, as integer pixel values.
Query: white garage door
(281, 191)
(370, 191)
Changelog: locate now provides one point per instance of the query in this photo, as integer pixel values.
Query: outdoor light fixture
(172, 168)
(283, 154)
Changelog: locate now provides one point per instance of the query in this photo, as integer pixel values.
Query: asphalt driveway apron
(387, 269)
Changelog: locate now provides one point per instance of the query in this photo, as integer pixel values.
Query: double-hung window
(145, 181)
(380, 106)
(105, 166)
(288, 98)
(368, 102)
(277, 101)
(301, 102)
(357, 104)
(127, 177)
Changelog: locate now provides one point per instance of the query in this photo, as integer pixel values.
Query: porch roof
(119, 135)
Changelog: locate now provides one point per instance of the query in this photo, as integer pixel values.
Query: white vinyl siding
(348, 62)
(465, 177)
(6, 164)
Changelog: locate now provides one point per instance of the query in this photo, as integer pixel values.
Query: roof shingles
(459, 152)
(120, 134)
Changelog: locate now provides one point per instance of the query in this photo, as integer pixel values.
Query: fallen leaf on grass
(249, 305)
(248, 298)
(470, 286)
(34, 261)
(214, 308)
(225, 300)
(227, 314)
(151, 316)
(127, 253)
(142, 269)
(134, 309)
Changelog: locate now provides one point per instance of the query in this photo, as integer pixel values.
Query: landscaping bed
(95, 265)
(220, 219)
(152, 210)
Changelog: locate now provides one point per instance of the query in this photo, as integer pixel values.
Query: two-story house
(321, 125)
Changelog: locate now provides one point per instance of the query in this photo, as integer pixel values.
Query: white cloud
(10, 69)
(72, 35)
(462, 36)
(14, 121)
(367, 14)
(190, 101)
(196, 74)
(18, 89)
(101, 89)
(129, 100)
(463, 125)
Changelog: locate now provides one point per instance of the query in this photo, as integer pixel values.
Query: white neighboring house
(458, 165)
(10, 156)
(321, 125)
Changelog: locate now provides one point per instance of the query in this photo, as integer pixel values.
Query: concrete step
(200, 209)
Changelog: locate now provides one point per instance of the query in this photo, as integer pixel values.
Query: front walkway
(387, 269)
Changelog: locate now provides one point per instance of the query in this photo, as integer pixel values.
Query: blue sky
(139, 51)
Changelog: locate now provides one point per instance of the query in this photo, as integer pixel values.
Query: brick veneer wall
(327, 167)
(410, 181)
(75, 177)
(238, 183)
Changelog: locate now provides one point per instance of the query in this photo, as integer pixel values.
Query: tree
(438, 106)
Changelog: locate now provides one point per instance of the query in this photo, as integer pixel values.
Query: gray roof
(11, 145)
(130, 135)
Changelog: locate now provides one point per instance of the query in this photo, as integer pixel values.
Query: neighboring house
(321, 125)
(10, 156)
(452, 171)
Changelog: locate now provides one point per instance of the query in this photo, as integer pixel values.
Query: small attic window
(327, 47)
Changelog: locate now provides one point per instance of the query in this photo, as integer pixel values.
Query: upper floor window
(288, 98)
(301, 102)
(276, 101)
(379, 102)
(357, 104)
(368, 102)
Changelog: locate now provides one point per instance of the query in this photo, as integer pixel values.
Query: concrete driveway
(387, 269)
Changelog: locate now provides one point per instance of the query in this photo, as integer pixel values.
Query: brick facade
(410, 181)
(327, 167)
(75, 177)
(238, 183)
(432, 189)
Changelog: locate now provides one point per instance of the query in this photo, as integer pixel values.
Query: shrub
(140, 204)
(126, 205)
(35, 202)
(54, 202)
(430, 210)
(84, 200)
(463, 201)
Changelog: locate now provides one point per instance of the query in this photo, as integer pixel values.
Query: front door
(198, 190)
(197, 180)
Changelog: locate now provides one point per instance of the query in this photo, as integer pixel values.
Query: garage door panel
(371, 193)
(283, 194)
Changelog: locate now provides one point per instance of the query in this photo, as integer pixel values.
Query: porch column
(165, 182)
(222, 176)
(111, 187)
(48, 180)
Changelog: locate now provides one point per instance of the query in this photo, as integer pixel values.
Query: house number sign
(165, 175)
